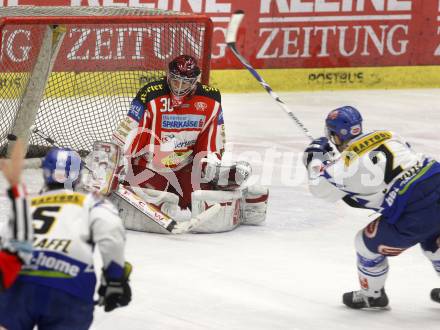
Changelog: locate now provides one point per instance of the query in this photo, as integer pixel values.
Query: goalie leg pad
(228, 216)
(254, 205)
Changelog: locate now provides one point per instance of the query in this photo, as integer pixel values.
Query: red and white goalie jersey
(160, 136)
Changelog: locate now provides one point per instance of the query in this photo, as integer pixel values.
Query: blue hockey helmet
(62, 165)
(343, 124)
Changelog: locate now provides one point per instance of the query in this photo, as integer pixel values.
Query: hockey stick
(161, 222)
(231, 37)
(44, 136)
(52, 142)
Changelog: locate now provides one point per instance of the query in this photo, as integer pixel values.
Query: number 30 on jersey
(166, 105)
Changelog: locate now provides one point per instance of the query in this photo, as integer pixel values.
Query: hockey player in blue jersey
(56, 290)
(377, 171)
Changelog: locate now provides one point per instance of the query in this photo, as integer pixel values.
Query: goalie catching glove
(114, 293)
(223, 176)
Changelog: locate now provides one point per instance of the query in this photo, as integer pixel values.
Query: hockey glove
(319, 149)
(225, 176)
(114, 293)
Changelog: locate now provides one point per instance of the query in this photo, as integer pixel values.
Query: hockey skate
(435, 295)
(358, 299)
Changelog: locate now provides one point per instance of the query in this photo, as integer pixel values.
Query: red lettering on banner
(275, 34)
(342, 41)
(7, 3)
(16, 45)
(327, 6)
(99, 47)
(437, 50)
(195, 6)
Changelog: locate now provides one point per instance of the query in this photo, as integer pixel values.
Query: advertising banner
(296, 33)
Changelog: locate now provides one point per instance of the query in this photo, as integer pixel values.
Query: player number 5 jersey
(67, 225)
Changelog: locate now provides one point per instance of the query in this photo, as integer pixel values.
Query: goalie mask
(62, 166)
(343, 124)
(182, 75)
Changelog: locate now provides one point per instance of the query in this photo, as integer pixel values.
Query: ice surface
(290, 273)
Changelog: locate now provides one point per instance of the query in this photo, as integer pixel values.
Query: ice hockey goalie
(172, 142)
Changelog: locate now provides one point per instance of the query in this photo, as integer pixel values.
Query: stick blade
(234, 24)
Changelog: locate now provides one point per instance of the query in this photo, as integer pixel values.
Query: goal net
(72, 71)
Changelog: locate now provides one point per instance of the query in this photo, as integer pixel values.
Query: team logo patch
(167, 137)
(333, 115)
(371, 230)
(221, 121)
(201, 106)
(178, 141)
(364, 283)
(136, 110)
(355, 130)
(389, 250)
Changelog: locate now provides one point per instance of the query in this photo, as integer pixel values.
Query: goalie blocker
(222, 209)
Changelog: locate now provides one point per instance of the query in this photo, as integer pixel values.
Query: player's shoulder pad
(369, 141)
(146, 94)
(152, 90)
(208, 91)
(59, 196)
(364, 144)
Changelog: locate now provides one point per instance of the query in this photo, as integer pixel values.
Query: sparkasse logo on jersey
(183, 121)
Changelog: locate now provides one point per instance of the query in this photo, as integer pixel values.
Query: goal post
(72, 71)
(34, 91)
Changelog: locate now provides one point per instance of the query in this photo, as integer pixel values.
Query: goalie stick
(231, 37)
(161, 223)
(124, 196)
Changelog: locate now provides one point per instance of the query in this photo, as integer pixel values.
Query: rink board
(395, 77)
(236, 81)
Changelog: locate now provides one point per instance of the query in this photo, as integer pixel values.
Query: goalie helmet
(182, 75)
(62, 166)
(343, 124)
